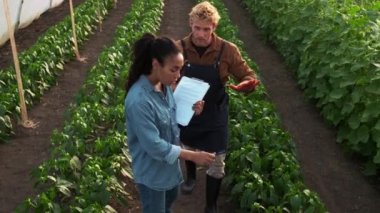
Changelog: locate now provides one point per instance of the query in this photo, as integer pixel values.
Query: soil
(175, 25)
(334, 175)
(28, 148)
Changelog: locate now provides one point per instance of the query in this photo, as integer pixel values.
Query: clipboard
(186, 94)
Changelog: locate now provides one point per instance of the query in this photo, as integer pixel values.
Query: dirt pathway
(327, 170)
(175, 24)
(30, 147)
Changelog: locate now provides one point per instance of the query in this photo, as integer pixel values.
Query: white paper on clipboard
(186, 94)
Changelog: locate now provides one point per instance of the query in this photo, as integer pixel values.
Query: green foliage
(43, 62)
(262, 168)
(334, 48)
(90, 153)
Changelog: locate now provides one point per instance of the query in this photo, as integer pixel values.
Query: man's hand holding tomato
(246, 86)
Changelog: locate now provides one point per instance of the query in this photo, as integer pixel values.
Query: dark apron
(208, 131)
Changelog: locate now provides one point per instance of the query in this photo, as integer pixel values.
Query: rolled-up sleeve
(143, 121)
(173, 154)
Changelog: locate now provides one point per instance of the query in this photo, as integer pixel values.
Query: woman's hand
(203, 158)
(246, 86)
(198, 107)
(198, 157)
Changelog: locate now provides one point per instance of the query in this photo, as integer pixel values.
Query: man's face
(201, 32)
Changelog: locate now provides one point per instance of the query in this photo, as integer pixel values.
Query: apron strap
(184, 51)
(217, 61)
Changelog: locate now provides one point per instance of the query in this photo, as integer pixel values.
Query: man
(214, 60)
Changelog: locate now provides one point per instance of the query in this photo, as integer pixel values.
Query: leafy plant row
(362, 3)
(90, 158)
(41, 63)
(262, 168)
(335, 50)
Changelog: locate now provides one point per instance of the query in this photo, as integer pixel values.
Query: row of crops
(90, 156)
(262, 169)
(43, 62)
(334, 48)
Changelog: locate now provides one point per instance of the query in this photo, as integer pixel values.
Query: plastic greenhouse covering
(22, 13)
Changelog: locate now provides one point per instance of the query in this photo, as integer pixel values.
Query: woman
(153, 134)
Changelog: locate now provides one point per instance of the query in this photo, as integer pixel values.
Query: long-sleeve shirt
(231, 61)
(153, 135)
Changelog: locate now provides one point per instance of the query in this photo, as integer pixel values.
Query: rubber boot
(188, 186)
(212, 193)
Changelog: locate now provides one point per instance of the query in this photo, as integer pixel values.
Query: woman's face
(201, 32)
(169, 72)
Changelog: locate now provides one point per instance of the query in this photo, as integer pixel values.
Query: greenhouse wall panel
(23, 13)
(55, 3)
(14, 10)
(31, 10)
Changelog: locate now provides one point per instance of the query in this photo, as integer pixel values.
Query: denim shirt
(153, 136)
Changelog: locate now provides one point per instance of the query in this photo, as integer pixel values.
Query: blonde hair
(205, 11)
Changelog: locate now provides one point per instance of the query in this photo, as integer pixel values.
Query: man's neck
(200, 50)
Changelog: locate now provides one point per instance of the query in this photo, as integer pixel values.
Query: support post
(24, 113)
(76, 49)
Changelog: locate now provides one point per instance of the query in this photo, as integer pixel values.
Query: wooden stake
(100, 19)
(115, 3)
(24, 113)
(76, 49)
